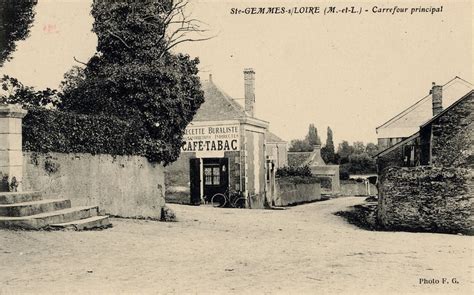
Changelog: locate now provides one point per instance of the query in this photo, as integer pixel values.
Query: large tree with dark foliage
(135, 76)
(16, 18)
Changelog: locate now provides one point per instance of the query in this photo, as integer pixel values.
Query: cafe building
(224, 150)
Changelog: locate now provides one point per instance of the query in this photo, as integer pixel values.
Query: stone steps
(42, 220)
(28, 210)
(33, 207)
(84, 224)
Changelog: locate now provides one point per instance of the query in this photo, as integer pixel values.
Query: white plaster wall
(127, 186)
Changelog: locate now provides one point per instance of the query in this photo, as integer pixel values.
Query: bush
(287, 171)
(296, 175)
(55, 131)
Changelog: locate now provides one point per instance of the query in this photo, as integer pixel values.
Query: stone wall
(355, 188)
(287, 193)
(127, 186)
(453, 136)
(426, 198)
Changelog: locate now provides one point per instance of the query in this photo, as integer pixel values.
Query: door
(216, 176)
(195, 181)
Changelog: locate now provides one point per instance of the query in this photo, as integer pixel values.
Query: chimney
(249, 79)
(437, 97)
(210, 77)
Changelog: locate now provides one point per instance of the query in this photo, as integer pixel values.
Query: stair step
(42, 220)
(83, 224)
(33, 207)
(19, 197)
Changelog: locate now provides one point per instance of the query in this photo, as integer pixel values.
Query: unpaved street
(304, 249)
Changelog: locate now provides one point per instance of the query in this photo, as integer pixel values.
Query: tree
(72, 79)
(14, 92)
(16, 18)
(328, 152)
(361, 163)
(344, 151)
(312, 137)
(298, 145)
(134, 75)
(371, 149)
(358, 147)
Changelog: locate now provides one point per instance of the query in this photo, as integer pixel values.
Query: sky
(348, 71)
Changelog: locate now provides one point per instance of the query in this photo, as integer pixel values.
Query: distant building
(407, 122)
(277, 150)
(226, 148)
(319, 168)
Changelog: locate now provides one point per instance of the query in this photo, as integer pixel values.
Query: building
(443, 141)
(277, 150)
(426, 179)
(320, 169)
(225, 150)
(407, 122)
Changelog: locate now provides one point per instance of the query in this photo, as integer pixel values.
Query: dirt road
(305, 249)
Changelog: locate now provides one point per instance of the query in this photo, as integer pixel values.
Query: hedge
(56, 131)
(303, 171)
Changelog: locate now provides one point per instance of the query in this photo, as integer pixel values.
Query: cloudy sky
(350, 72)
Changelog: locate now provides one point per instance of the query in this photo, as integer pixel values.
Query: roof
(470, 93)
(391, 148)
(452, 90)
(218, 105)
(271, 137)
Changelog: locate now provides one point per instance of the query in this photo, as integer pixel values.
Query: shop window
(212, 175)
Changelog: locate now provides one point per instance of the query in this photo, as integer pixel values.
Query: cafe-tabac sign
(211, 138)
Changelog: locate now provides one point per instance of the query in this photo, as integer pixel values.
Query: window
(212, 175)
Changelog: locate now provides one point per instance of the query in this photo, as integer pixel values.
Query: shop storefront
(224, 151)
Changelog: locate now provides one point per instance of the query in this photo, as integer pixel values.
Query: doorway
(215, 178)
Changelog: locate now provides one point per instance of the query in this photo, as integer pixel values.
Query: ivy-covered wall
(63, 132)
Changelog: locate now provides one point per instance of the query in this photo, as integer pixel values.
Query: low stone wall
(426, 199)
(287, 193)
(127, 186)
(355, 188)
(177, 195)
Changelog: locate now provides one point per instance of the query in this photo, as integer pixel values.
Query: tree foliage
(16, 18)
(328, 152)
(355, 158)
(312, 137)
(298, 145)
(134, 74)
(14, 92)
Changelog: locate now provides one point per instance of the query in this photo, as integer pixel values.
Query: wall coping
(12, 111)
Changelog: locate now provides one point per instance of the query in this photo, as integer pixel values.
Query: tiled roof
(452, 90)
(218, 105)
(271, 137)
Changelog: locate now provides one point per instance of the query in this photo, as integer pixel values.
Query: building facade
(224, 150)
(445, 140)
